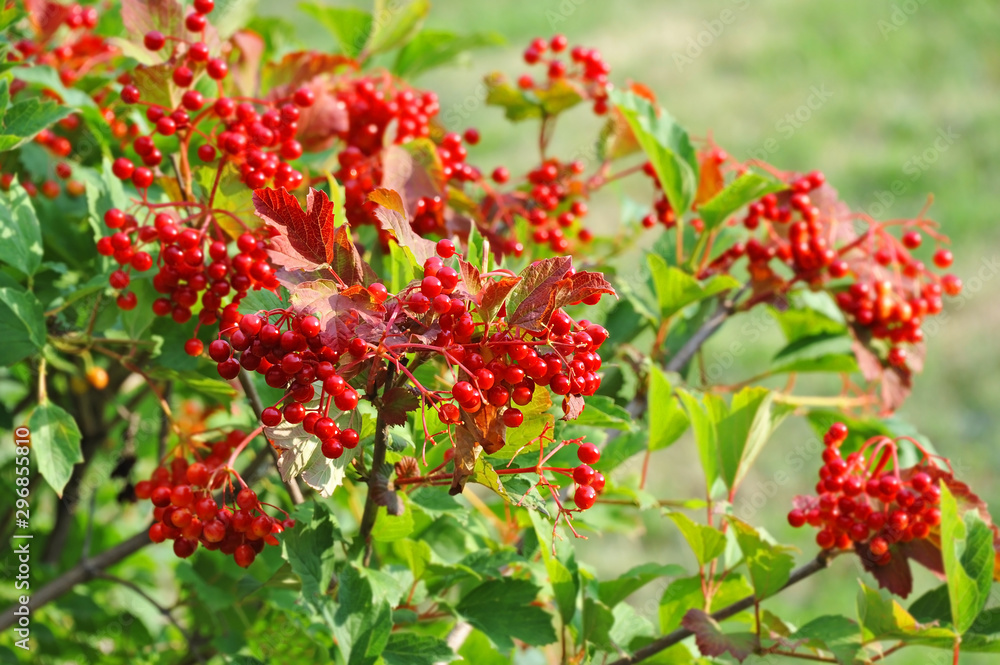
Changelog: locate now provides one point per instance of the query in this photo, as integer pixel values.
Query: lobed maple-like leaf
(493, 296)
(546, 286)
(308, 240)
(397, 402)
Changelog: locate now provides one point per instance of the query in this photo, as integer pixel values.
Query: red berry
(583, 475)
(154, 40)
(796, 518)
(943, 258)
(445, 248)
(912, 239)
(244, 556)
(193, 347)
(130, 94)
(588, 453)
(584, 497)
(270, 417)
(500, 175)
(122, 168)
(204, 6)
(347, 400)
(246, 499)
(304, 97)
(512, 417)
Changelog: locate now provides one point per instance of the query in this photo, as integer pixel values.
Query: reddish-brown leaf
(46, 17)
(466, 452)
(392, 214)
(414, 170)
(245, 71)
(546, 286)
(308, 239)
(712, 641)
(397, 402)
(471, 277)
(494, 295)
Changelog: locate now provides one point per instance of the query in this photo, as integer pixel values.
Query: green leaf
(401, 267)
(829, 362)
(667, 146)
(20, 232)
(362, 625)
(743, 433)
(598, 621)
(503, 610)
(261, 301)
(25, 119)
(478, 649)
(55, 438)
(675, 289)
(515, 103)
(351, 27)
(884, 618)
(601, 411)
(705, 421)
(745, 189)
(667, 421)
(410, 649)
(685, 593)
(769, 565)
(309, 549)
(967, 551)
(706, 542)
(392, 527)
(393, 24)
(433, 48)
(22, 325)
(836, 634)
(612, 592)
(214, 389)
(138, 320)
(565, 586)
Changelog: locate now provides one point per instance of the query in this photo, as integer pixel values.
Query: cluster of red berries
(888, 291)
(372, 106)
(589, 483)
(585, 68)
(291, 356)
(76, 55)
(555, 204)
(503, 368)
(256, 137)
(864, 505)
(186, 512)
(183, 274)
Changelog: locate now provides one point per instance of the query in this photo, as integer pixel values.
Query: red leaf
(494, 295)
(392, 214)
(46, 17)
(895, 576)
(397, 402)
(308, 239)
(712, 641)
(142, 16)
(245, 71)
(414, 170)
(546, 286)
(319, 124)
(471, 277)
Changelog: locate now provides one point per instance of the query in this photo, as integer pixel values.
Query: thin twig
(152, 601)
(378, 460)
(724, 310)
(821, 561)
(291, 485)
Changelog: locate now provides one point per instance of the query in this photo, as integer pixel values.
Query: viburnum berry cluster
(257, 137)
(291, 356)
(803, 234)
(185, 275)
(186, 512)
(866, 501)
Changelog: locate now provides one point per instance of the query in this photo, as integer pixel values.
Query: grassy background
(898, 75)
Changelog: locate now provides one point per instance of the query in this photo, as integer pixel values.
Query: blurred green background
(878, 95)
